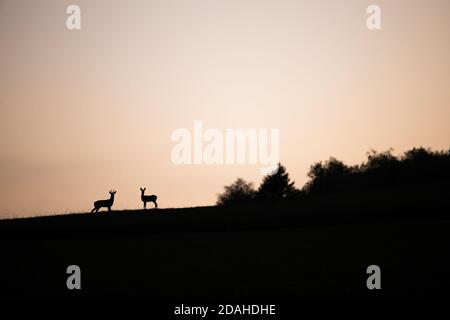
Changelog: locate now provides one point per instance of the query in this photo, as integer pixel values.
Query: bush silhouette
(328, 176)
(239, 192)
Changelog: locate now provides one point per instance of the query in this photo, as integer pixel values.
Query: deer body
(145, 199)
(104, 203)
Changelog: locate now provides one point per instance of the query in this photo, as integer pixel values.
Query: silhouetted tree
(380, 160)
(277, 186)
(427, 164)
(381, 168)
(239, 192)
(328, 176)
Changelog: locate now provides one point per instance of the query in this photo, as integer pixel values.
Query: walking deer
(146, 199)
(104, 203)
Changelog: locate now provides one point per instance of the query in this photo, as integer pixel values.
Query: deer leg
(145, 205)
(109, 209)
(156, 205)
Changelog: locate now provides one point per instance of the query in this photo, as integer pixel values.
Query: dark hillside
(275, 252)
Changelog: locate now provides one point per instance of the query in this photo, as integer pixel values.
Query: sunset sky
(89, 110)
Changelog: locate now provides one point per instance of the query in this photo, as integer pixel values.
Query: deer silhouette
(146, 199)
(104, 203)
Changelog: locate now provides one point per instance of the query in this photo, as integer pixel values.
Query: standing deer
(104, 203)
(146, 199)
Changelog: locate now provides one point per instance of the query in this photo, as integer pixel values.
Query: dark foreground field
(214, 253)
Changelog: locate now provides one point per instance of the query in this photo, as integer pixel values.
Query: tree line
(381, 170)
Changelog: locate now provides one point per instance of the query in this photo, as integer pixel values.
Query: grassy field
(267, 252)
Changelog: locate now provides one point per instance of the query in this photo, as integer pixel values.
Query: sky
(85, 111)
